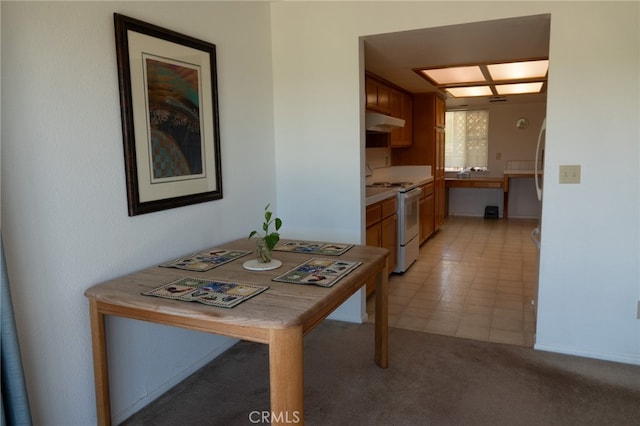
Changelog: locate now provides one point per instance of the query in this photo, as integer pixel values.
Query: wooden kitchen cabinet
(428, 146)
(427, 221)
(439, 179)
(377, 95)
(382, 231)
(401, 107)
(388, 99)
(389, 239)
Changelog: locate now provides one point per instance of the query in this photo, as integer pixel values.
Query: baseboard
(482, 216)
(633, 359)
(511, 216)
(183, 374)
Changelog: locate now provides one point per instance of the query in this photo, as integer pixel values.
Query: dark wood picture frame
(170, 123)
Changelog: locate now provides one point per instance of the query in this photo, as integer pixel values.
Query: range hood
(376, 122)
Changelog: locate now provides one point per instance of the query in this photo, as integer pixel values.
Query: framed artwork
(169, 108)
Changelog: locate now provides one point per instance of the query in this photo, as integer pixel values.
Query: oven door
(409, 220)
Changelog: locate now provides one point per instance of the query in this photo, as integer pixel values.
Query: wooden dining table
(279, 317)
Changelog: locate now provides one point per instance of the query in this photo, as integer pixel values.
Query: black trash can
(491, 212)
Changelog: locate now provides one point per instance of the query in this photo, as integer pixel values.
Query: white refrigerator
(536, 233)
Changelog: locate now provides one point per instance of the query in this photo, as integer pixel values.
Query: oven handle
(414, 193)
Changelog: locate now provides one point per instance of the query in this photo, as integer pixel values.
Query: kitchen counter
(374, 195)
(490, 183)
(475, 182)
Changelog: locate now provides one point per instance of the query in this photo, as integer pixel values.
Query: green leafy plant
(270, 238)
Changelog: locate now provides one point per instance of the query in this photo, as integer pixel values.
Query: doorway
(474, 278)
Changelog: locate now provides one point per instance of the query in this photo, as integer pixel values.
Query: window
(466, 139)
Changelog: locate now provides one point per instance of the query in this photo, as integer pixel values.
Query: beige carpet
(432, 380)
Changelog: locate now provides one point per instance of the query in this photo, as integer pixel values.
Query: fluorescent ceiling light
(455, 75)
(489, 79)
(519, 88)
(519, 70)
(472, 91)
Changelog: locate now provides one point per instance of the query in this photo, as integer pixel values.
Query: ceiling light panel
(455, 75)
(468, 92)
(519, 70)
(519, 88)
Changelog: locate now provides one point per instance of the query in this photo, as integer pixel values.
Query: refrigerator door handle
(535, 236)
(535, 165)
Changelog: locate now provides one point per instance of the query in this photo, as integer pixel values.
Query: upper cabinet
(377, 95)
(387, 99)
(428, 132)
(401, 106)
(441, 111)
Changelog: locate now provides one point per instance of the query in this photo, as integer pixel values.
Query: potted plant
(267, 242)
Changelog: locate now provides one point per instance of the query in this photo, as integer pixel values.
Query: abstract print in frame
(169, 107)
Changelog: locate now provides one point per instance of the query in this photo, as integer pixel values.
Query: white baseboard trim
(633, 359)
(482, 215)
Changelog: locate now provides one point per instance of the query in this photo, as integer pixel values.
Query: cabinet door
(378, 95)
(427, 225)
(439, 179)
(440, 111)
(389, 228)
(384, 94)
(407, 114)
(395, 103)
(439, 152)
(400, 105)
(374, 238)
(373, 214)
(372, 93)
(374, 235)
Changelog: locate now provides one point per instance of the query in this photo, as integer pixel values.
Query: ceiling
(394, 56)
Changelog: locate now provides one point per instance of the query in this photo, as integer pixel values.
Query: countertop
(419, 175)
(521, 172)
(377, 194)
(374, 195)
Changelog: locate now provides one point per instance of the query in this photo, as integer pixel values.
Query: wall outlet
(569, 174)
(498, 155)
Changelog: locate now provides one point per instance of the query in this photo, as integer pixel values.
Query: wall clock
(522, 123)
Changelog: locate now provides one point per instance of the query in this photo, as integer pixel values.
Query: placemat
(317, 271)
(205, 260)
(313, 247)
(210, 292)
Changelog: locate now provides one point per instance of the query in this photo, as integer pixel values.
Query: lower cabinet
(427, 212)
(382, 231)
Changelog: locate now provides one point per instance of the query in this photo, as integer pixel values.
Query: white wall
(589, 269)
(590, 243)
(506, 139)
(64, 208)
(63, 192)
(511, 144)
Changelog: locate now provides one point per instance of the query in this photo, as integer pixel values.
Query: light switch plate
(569, 174)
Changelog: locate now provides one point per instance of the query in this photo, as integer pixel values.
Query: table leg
(100, 371)
(382, 319)
(286, 374)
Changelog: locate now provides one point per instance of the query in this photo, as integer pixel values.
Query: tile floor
(474, 278)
